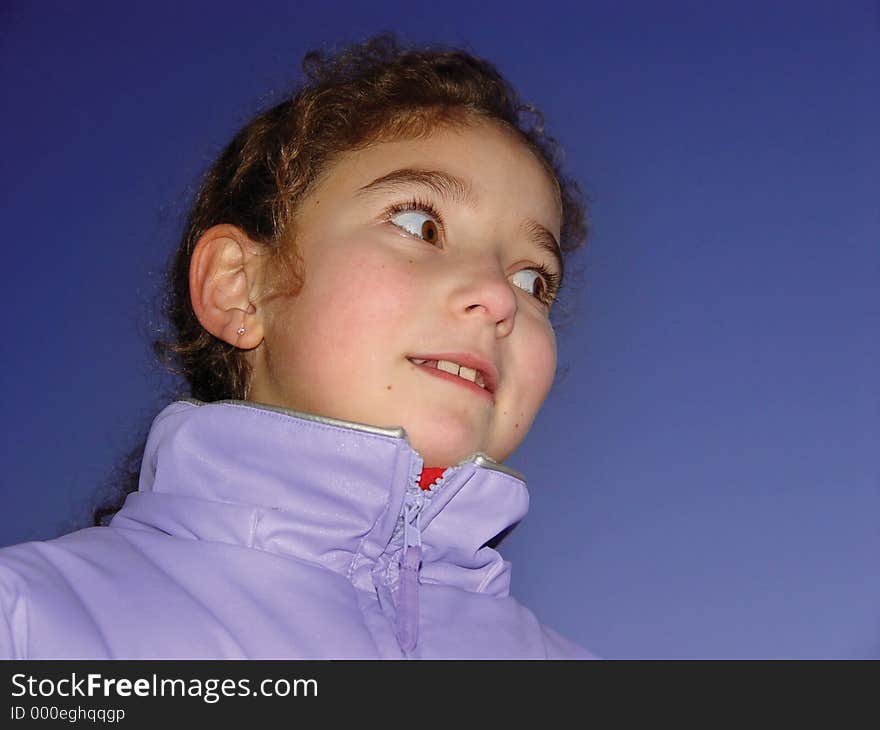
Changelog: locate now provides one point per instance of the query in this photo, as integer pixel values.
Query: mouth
(474, 373)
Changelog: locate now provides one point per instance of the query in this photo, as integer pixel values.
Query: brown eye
(540, 289)
(429, 231)
(418, 223)
(530, 281)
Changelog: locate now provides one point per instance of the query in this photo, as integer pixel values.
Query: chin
(440, 447)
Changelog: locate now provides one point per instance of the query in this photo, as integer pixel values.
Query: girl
(361, 305)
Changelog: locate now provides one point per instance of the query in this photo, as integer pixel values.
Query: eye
(419, 223)
(530, 281)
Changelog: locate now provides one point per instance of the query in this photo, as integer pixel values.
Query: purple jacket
(262, 533)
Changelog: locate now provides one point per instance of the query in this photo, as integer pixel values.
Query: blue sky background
(705, 479)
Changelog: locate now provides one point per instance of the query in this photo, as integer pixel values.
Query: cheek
(381, 286)
(534, 364)
(539, 363)
(364, 297)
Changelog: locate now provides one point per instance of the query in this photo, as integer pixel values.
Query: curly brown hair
(366, 93)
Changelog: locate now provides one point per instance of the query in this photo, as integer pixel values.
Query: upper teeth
(475, 376)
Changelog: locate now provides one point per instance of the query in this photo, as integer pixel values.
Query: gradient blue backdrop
(705, 480)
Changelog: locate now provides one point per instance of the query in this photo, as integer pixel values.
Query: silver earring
(240, 331)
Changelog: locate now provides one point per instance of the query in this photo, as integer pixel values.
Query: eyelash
(418, 204)
(551, 281)
(551, 278)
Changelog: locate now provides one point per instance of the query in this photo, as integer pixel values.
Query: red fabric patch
(430, 474)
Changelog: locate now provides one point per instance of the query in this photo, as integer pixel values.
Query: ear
(224, 274)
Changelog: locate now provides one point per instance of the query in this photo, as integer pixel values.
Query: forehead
(499, 172)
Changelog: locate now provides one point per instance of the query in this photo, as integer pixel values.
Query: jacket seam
(308, 423)
(358, 556)
(41, 551)
(185, 591)
(17, 593)
(493, 573)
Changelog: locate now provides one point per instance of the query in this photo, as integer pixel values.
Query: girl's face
(424, 249)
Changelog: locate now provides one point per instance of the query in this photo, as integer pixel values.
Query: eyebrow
(442, 183)
(453, 188)
(546, 241)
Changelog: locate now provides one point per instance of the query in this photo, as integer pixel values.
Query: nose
(486, 293)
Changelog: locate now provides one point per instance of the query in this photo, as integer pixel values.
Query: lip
(489, 371)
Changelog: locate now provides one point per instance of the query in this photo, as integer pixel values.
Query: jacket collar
(321, 490)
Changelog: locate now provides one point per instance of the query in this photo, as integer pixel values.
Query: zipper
(409, 564)
(408, 571)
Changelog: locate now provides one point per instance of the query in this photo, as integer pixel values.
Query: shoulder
(44, 585)
(459, 624)
(553, 644)
(13, 612)
(39, 561)
(558, 647)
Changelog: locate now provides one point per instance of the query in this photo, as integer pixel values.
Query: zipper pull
(408, 580)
